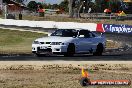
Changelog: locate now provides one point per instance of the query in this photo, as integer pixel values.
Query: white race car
(69, 42)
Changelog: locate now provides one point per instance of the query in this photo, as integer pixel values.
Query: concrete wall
(68, 25)
(49, 24)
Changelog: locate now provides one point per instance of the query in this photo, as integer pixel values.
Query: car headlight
(57, 43)
(36, 42)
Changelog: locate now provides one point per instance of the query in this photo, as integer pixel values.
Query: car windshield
(65, 33)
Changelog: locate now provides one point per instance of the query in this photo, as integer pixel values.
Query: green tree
(32, 5)
(40, 6)
(45, 5)
(55, 6)
(49, 6)
(64, 5)
(19, 1)
(114, 5)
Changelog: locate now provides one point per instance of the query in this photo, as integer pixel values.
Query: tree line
(79, 6)
(32, 5)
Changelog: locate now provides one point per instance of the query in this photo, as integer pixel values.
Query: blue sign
(117, 28)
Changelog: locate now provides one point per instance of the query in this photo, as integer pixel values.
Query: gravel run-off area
(60, 74)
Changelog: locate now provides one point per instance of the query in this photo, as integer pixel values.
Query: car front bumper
(48, 48)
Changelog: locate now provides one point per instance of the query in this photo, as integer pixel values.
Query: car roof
(74, 29)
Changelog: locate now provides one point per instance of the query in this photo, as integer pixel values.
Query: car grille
(48, 42)
(45, 42)
(41, 42)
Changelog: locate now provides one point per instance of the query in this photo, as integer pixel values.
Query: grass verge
(13, 41)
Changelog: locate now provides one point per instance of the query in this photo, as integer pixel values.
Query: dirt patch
(60, 75)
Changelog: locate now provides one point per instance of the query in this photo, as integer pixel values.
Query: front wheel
(99, 50)
(70, 50)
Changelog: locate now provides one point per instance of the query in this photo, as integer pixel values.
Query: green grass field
(12, 41)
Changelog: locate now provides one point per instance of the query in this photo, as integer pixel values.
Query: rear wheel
(99, 50)
(70, 50)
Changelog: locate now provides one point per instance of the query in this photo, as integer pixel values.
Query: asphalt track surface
(123, 54)
(105, 57)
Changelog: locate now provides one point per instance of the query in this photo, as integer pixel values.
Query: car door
(84, 41)
(92, 40)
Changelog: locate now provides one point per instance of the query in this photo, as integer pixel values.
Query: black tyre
(99, 50)
(70, 50)
(85, 82)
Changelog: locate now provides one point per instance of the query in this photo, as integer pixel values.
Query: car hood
(55, 39)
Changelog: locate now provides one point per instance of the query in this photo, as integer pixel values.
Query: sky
(45, 1)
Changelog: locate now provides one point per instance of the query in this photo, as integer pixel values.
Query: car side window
(91, 35)
(84, 33)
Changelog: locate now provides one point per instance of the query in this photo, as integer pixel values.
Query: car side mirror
(102, 34)
(74, 36)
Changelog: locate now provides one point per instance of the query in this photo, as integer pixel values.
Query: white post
(110, 16)
(84, 12)
(84, 9)
(5, 11)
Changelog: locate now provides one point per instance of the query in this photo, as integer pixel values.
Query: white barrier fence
(49, 24)
(69, 25)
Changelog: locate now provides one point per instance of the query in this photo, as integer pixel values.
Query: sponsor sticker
(86, 81)
(117, 28)
(114, 28)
